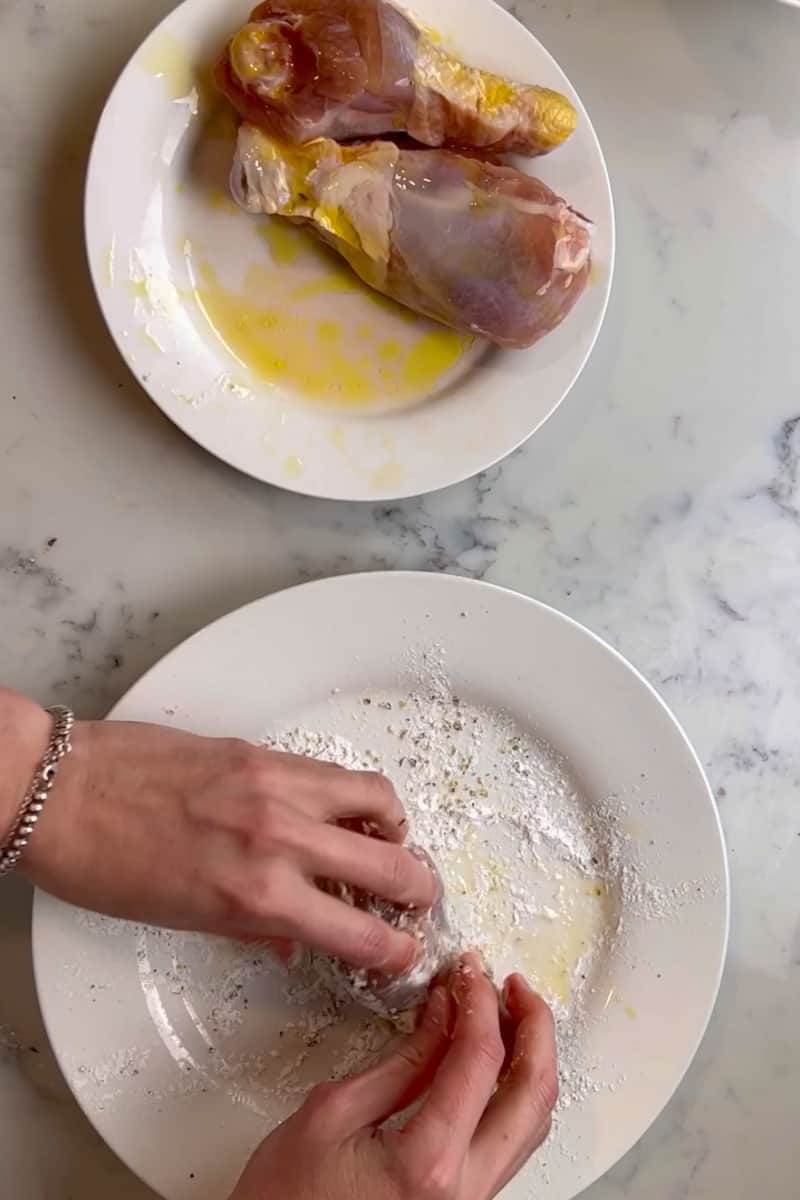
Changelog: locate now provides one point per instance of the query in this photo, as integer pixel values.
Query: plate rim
(299, 487)
(434, 579)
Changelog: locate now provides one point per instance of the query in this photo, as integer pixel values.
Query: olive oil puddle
(301, 320)
(287, 309)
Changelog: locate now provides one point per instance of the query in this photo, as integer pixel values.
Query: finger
(331, 793)
(370, 797)
(406, 1072)
(467, 1077)
(382, 869)
(287, 952)
(518, 1117)
(357, 937)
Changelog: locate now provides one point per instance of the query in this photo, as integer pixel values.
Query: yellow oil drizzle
(438, 38)
(551, 955)
(432, 34)
(336, 277)
(437, 66)
(286, 242)
(321, 358)
(154, 292)
(390, 475)
(222, 202)
(434, 354)
(550, 948)
(293, 466)
(497, 93)
(329, 331)
(596, 274)
(246, 52)
(280, 347)
(167, 59)
(339, 281)
(138, 288)
(109, 264)
(613, 997)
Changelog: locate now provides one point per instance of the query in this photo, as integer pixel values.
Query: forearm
(212, 834)
(24, 733)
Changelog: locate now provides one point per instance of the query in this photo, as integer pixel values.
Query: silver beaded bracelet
(12, 849)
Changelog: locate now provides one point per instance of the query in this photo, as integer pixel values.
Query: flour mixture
(532, 872)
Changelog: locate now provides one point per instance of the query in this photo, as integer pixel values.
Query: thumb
(403, 1076)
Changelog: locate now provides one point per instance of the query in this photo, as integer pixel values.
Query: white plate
(129, 1011)
(161, 231)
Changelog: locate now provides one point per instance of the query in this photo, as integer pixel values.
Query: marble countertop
(660, 506)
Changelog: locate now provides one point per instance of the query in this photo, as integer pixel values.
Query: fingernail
(472, 963)
(462, 976)
(431, 1011)
(413, 951)
(436, 1010)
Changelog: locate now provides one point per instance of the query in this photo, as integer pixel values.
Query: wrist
(24, 734)
(52, 855)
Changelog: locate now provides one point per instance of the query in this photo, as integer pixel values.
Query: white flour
(526, 862)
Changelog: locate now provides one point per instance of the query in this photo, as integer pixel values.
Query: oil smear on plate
(166, 59)
(299, 320)
(286, 313)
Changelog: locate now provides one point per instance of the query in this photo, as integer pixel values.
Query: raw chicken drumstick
(342, 69)
(481, 248)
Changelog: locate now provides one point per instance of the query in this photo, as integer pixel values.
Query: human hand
(224, 837)
(466, 1142)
